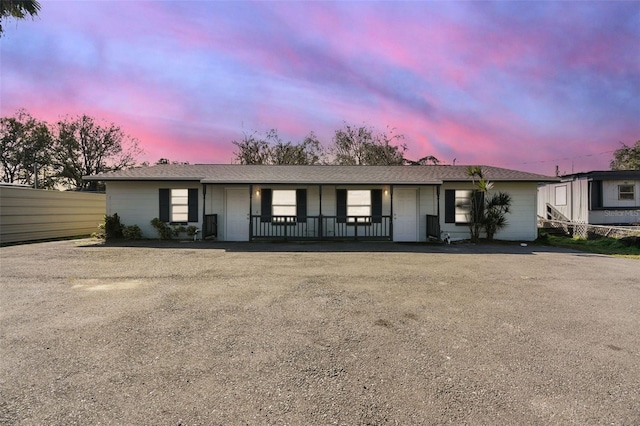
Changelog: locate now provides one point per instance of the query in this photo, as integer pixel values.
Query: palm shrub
(481, 188)
(488, 213)
(496, 209)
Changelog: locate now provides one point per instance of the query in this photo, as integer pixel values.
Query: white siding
(577, 208)
(610, 194)
(522, 220)
(215, 205)
(427, 204)
(545, 192)
(34, 214)
(617, 217)
(136, 203)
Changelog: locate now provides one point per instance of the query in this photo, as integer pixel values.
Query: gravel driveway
(318, 334)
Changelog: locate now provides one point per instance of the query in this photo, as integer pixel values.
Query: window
(365, 205)
(178, 205)
(463, 206)
(626, 192)
(283, 205)
(358, 204)
(457, 205)
(561, 195)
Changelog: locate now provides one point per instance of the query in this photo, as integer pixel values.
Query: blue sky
(523, 85)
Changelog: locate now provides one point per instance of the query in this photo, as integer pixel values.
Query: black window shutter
(376, 205)
(301, 205)
(193, 205)
(165, 204)
(596, 194)
(341, 205)
(449, 206)
(265, 205)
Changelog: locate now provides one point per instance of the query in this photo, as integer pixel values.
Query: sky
(522, 85)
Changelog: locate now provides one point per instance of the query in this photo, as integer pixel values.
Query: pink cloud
(476, 81)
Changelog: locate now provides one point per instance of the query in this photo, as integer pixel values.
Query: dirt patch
(317, 334)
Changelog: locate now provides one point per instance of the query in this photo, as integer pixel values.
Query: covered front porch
(322, 227)
(321, 212)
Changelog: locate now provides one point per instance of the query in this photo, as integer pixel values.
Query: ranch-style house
(252, 202)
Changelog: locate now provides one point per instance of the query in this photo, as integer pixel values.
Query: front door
(405, 215)
(237, 215)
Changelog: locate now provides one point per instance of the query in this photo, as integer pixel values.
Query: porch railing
(321, 227)
(210, 226)
(555, 214)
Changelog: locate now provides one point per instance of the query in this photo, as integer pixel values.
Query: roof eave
(144, 178)
(287, 182)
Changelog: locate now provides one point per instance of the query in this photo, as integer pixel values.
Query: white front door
(236, 224)
(405, 215)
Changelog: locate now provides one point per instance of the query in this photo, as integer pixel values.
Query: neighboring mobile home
(250, 202)
(597, 198)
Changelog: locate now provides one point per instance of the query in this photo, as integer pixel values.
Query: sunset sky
(522, 85)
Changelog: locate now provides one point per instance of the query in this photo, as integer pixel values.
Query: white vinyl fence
(35, 214)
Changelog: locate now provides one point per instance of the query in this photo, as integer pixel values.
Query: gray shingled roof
(261, 174)
(604, 175)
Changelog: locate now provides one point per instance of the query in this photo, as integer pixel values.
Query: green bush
(110, 229)
(132, 232)
(113, 227)
(165, 232)
(192, 230)
(169, 232)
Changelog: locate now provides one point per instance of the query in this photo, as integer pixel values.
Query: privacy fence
(34, 214)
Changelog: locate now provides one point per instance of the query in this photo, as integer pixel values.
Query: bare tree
(424, 161)
(270, 149)
(25, 150)
(84, 147)
(251, 150)
(363, 145)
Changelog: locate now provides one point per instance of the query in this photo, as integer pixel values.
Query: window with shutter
(283, 205)
(178, 205)
(359, 205)
(458, 205)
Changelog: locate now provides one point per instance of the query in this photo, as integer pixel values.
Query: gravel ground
(322, 334)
